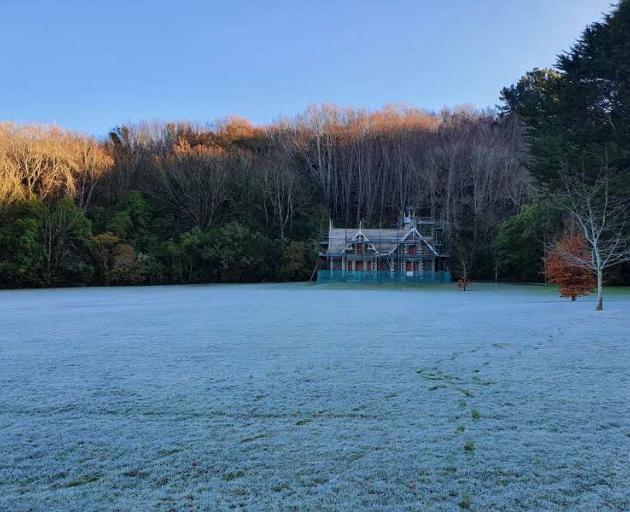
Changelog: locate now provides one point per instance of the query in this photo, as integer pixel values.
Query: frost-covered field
(293, 397)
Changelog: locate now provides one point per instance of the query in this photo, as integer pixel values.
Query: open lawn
(296, 397)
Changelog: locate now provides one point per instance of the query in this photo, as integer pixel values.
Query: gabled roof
(384, 241)
(423, 239)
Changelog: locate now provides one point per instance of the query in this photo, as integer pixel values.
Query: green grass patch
(465, 392)
(233, 475)
(253, 438)
(135, 473)
(82, 480)
(465, 503)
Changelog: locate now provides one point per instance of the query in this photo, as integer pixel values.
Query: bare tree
(11, 189)
(601, 218)
(34, 159)
(48, 162)
(281, 179)
(89, 163)
(192, 181)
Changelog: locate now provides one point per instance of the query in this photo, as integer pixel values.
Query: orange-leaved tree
(562, 267)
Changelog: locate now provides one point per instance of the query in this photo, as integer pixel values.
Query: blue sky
(92, 64)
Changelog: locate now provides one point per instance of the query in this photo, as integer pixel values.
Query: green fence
(386, 277)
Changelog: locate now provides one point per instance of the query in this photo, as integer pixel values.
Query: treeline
(576, 120)
(232, 202)
(178, 202)
(153, 204)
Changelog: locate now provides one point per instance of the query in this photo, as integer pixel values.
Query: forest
(233, 202)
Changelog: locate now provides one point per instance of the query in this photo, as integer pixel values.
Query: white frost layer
(294, 397)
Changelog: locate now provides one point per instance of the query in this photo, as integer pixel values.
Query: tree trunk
(600, 291)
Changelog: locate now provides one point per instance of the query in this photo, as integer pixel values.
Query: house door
(359, 265)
